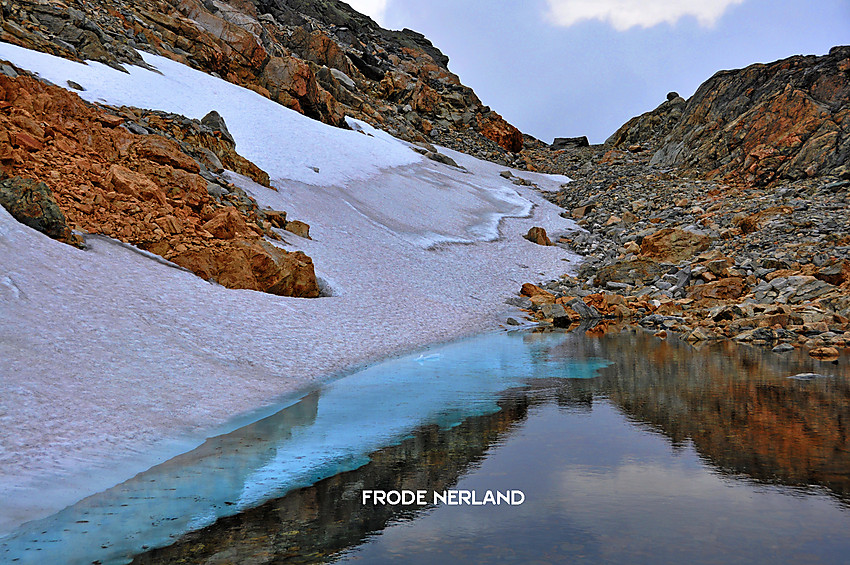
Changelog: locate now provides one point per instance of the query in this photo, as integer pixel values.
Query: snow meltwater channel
(112, 362)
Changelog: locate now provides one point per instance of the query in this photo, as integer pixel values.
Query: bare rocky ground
(706, 259)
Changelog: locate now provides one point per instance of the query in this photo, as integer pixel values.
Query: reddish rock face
(140, 189)
(291, 53)
(785, 120)
(494, 127)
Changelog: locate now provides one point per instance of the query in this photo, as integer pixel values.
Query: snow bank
(112, 362)
(275, 138)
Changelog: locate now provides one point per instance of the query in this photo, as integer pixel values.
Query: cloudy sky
(564, 68)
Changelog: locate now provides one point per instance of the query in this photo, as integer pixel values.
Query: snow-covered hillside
(112, 361)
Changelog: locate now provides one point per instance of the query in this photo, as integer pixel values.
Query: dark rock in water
(783, 348)
(215, 122)
(586, 311)
(569, 142)
(32, 203)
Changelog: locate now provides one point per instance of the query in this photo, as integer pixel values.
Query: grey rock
(444, 159)
(586, 311)
(553, 311)
(569, 143)
(136, 128)
(8, 71)
(783, 348)
(519, 302)
(215, 122)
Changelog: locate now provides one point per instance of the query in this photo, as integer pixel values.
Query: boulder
(227, 223)
(125, 181)
(32, 203)
(673, 245)
(299, 228)
(569, 143)
(215, 122)
(723, 289)
(440, 158)
(538, 235)
(253, 265)
(640, 270)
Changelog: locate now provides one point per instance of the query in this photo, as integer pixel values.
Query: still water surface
(628, 449)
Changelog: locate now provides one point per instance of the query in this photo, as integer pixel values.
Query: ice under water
(628, 448)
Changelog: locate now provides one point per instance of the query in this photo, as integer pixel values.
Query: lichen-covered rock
(32, 203)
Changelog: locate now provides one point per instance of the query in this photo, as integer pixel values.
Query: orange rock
(673, 245)
(538, 235)
(163, 151)
(723, 289)
(301, 229)
(124, 181)
(824, 353)
(494, 127)
(26, 141)
(227, 223)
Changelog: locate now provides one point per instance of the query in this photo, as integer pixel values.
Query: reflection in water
(738, 406)
(327, 433)
(594, 458)
(312, 524)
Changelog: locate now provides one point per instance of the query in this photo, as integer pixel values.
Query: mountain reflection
(315, 523)
(734, 404)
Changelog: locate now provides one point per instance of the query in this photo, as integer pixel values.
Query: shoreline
(707, 259)
(186, 319)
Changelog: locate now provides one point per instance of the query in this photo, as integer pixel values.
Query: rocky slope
(723, 216)
(144, 178)
(781, 121)
(318, 57)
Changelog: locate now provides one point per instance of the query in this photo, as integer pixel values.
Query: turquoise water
(327, 432)
(627, 448)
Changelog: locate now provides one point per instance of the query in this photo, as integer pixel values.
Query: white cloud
(625, 14)
(375, 9)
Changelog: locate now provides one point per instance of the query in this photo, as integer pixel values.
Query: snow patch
(116, 362)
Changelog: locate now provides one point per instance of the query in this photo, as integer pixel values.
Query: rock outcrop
(786, 120)
(650, 128)
(318, 57)
(158, 188)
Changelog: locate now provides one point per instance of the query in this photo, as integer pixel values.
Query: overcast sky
(564, 68)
